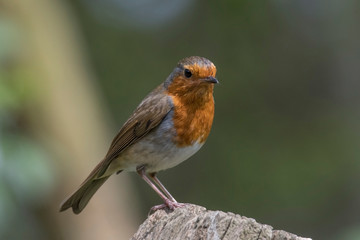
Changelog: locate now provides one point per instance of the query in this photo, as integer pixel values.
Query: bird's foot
(168, 204)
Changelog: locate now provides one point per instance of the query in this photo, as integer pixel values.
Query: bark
(195, 222)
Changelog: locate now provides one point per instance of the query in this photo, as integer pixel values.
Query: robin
(170, 125)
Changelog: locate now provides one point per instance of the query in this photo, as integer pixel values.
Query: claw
(168, 204)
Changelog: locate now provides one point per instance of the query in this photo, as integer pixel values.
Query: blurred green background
(284, 148)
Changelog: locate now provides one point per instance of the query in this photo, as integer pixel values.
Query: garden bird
(170, 125)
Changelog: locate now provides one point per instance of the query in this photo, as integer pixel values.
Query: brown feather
(147, 116)
(78, 200)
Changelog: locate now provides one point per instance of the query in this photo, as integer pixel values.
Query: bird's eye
(187, 73)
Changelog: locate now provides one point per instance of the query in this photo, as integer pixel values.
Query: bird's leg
(167, 202)
(168, 194)
(157, 181)
(141, 172)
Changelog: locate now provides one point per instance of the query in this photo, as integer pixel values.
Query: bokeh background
(284, 147)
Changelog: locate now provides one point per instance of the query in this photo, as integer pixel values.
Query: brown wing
(148, 115)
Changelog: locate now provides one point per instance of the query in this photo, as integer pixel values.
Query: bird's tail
(79, 199)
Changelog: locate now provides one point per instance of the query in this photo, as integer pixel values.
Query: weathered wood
(195, 222)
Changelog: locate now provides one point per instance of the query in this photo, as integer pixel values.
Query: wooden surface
(195, 222)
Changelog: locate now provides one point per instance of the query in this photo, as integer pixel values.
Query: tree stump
(195, 222)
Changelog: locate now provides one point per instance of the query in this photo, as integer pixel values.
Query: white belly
(167, 156)
(156, 151)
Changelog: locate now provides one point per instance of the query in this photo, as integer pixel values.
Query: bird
(169, 125)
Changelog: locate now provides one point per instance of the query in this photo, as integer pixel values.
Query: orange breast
(193, 118)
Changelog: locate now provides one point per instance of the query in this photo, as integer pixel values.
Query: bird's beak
(210, 80)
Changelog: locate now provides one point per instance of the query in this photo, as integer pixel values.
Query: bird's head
(193, 77)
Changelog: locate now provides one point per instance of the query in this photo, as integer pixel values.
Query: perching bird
(170, 125)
